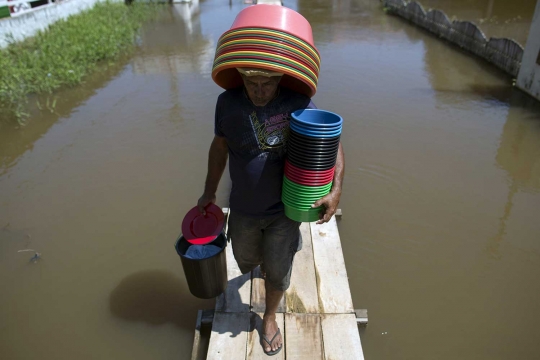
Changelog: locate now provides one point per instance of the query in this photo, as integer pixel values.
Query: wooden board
(196, 350)
(332, 281)
(303, 337)
(302, 297)
(237, 295)
(254, 348)
(320, 322)
(340, 337)
(229, 336)
(258, 293)
(361, 316)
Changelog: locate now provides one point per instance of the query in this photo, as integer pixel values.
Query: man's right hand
(217, 159)
(204, 200)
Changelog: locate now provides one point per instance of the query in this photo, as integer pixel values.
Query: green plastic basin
(303, 188)
(302, 215)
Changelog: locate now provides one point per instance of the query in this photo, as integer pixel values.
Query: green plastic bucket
(304, 188)
(301, 199)
(298, 204)
(302, 215)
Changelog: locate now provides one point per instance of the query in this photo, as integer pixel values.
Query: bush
(68, 51)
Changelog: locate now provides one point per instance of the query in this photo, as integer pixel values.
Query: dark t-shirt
(257, 140)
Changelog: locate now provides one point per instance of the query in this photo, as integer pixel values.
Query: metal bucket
(206, 278)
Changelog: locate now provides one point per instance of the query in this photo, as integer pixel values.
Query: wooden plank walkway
(316, 318)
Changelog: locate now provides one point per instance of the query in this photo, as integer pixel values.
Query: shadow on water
(155, 297)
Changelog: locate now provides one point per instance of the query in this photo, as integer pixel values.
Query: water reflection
(332, 21)
(463, 84)
(456, 81)
(496, 18)
(519, 156)
(519, 149)
(15, 140)
(176, 45)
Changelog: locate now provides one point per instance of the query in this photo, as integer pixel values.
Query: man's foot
(272, 340)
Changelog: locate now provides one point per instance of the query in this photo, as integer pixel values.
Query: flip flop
(270, 353)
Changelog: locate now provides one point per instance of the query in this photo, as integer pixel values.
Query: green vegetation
(68, 51)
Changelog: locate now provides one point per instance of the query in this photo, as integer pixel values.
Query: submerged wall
(28, 24)
(504, 53)
(529, 74)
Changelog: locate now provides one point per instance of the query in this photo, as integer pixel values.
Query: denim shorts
(272, 241)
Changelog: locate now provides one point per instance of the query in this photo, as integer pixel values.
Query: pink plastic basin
(289, 32)
(275, 17)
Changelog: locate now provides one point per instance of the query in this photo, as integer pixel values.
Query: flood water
(496, 18)
(440, 228)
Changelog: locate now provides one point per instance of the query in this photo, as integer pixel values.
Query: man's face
(261, 89)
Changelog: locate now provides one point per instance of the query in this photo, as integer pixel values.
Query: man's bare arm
(331, 200)
(217, 160)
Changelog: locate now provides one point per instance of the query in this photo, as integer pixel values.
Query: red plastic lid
(199, 229)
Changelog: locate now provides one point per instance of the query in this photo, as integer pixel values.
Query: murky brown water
(442, 191)
(496, 18)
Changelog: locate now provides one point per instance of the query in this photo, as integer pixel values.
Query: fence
(18, 7)
(504, 53)
(28, 23)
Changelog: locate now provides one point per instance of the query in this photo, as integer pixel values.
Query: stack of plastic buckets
(311, 159)
(273, 38)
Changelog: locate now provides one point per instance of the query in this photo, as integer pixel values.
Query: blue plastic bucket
(317, 118)
(314, 133)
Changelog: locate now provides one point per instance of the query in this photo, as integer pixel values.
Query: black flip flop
(270, 353)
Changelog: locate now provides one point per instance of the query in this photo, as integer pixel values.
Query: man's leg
(281, 238)
(270, 327)
(247, 241)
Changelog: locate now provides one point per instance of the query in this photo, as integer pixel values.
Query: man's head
(261, 85)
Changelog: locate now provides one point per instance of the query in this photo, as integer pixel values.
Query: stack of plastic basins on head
(311, 160)
(273, 38)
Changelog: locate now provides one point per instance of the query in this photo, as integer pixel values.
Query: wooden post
(529, 74)
(361, 316)
(207, 317)
(195, 351)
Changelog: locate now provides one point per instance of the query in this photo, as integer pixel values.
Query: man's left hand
(330, 203)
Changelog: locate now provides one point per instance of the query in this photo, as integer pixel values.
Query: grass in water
(67, 51)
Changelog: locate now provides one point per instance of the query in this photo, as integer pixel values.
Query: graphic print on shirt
(272, 132)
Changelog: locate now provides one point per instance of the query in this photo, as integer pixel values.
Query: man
(251, 127)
